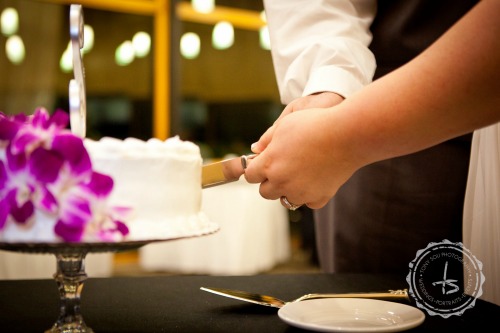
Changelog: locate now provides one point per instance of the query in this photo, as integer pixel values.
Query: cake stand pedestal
(70, 275)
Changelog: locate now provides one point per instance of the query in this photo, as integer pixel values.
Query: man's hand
(319, 100)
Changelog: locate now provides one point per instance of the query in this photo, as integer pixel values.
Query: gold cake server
(400, 295)
(225, 171)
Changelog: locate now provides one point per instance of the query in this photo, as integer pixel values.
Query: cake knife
(222, 172)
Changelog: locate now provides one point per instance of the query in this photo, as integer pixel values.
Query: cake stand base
(70, 276)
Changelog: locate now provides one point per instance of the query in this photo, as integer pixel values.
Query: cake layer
(159, 180)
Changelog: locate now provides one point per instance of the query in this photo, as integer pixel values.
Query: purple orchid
(44, 166)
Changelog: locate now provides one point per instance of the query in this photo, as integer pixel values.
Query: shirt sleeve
(320, 45)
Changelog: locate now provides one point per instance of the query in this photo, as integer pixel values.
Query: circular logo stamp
(445, 279)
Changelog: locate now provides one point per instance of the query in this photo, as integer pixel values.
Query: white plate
(351, 315)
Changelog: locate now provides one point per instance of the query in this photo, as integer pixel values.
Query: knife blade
(222, 172)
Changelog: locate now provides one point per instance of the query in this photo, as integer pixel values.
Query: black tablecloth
(176, 303)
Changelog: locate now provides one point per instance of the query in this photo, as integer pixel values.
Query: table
(176, 303)
(254, 236)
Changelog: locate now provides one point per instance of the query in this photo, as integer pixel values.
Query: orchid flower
(44, 166)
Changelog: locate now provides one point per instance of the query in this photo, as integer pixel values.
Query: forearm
(320, 46)
(451, 89)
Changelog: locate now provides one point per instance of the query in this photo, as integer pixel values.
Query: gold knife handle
(392, 295)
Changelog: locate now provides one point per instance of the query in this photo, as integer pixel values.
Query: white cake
(159, 180)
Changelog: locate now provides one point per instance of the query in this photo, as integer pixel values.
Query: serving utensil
(266, 300)
(77, 91)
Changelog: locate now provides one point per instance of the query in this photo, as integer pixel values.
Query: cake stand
(70, 273)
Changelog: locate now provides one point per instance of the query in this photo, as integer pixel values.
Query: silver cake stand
(70, 273)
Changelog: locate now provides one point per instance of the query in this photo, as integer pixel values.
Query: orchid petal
(72, 149)
(100, 185)
(17, 162)
(122, 228)
(8, 129)
(4, 212)
(45, 165)
(60, 118)
(76, 211)
(22, 141)
(69, 233)
(121, 211)
(41, 118)
(74, 217)
(48, 201)
(20, 211)
(20, 118)
(3, 175)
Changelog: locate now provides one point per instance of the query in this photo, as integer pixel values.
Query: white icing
(159, 180)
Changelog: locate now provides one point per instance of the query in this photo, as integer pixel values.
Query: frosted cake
(160, 180)
(56, 187)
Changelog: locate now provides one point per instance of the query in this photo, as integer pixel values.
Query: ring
(288, 204)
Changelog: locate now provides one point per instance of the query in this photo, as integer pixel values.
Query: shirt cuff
(332, 79)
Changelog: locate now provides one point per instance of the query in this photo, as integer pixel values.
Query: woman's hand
(307, 160)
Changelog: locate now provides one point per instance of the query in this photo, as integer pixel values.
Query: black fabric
(389, 210)
(403, 29)
(176, 303)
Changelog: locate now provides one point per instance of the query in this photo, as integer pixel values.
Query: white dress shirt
(320, 45)
(482, 207)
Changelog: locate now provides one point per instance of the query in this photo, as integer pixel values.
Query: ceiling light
(88, 38)
(124, 53)
(190, 45)
(9, 21)
(142, 44)
(15, 50)
(203, 6)
(264, 39)
(223, 35)
(66, 61)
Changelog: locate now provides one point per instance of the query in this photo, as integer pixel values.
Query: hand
(307, 159)
(319, 100)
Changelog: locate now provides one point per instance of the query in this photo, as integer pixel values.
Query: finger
(259, 146)
(270, 191)
(255, 172)
(288, 204)
(317, 204)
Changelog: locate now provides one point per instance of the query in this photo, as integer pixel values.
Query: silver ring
(245, 159)
(288, 204)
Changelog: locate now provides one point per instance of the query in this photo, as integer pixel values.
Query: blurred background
(218, 89)
(201, 70)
